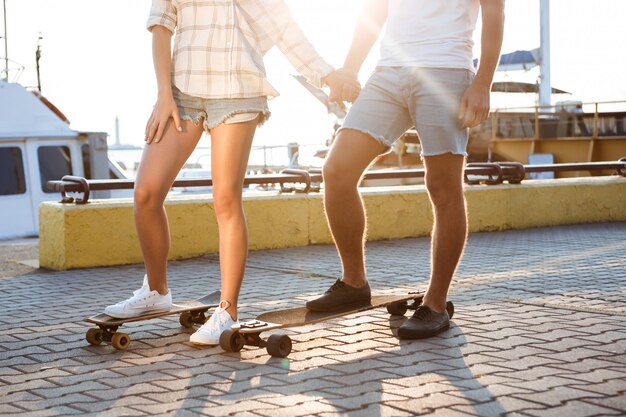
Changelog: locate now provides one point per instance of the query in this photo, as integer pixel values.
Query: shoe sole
(411, 336)
(145, 313)
(203, 344)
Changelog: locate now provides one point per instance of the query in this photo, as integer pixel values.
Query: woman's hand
(344, 86)
(164, 108)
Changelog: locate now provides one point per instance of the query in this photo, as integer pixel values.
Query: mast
(545, 86)
(6, 43)
(37, 58)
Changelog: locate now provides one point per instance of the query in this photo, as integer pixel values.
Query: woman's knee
(147, 196)
(227, 200)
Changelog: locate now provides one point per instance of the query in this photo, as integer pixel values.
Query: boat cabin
(37, 145)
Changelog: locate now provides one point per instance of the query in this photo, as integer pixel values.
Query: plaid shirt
(219, 45)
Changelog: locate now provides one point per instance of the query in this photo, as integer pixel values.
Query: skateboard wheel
(450, 308)
(120, 341)
(94, 336)
(231, 341)
(186, 319)
(397, 309)
(279, 345)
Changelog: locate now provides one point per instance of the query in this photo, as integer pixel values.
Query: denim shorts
(398, 98)
(217, 111)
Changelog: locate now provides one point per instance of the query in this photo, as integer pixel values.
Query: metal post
(6, 43)
(596, 123)
(37, 58)
(545, 87)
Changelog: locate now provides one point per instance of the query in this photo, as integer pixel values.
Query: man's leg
(382, 112)
(444, 182)
(352, 152)
(350, 156)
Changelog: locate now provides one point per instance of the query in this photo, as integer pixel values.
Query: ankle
(160, 290)
(230, 308)
(232, 313)
(356, 282)
(434, 305)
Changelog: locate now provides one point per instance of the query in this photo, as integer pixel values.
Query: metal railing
(572, 117)
(491, 173)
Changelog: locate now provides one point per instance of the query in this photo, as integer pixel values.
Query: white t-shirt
(429, 33)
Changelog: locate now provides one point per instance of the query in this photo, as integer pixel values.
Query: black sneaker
(341, 296)
(424, 323)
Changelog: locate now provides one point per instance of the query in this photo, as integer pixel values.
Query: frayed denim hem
(265, 115)
(378, 138)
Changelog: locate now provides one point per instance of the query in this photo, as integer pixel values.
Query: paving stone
(540, 334)
(144, 389)
(557, 396)
(310, 385)
(380, 410)
(608, 388)
(431, 402)
(599, 375)
(229, 409)
(416, 381)
(575, 409)
(120, 411)
(617, 402)
(305, 409)
(56, 391)
(8, 409)
(290, 400)
(504, 406)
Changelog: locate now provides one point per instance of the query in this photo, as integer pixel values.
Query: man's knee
(335, 174)
(351, 154)
(445, 192)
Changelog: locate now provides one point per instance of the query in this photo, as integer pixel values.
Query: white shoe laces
(219, 318)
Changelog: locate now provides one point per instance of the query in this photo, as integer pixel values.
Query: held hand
(474, 105)
(164, 108)
(344, 86)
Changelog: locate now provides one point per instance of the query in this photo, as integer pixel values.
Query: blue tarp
(518, 60)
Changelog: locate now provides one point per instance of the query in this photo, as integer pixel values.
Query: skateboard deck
(279, 345)
(191, 312)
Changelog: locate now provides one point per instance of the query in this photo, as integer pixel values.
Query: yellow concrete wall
(102, 232)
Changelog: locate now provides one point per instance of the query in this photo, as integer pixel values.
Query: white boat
(38, 145)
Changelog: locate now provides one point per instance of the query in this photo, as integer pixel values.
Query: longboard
(248, 333)
(191, 312)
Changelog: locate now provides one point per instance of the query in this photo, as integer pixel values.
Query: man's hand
(475, 104)
(344, 86)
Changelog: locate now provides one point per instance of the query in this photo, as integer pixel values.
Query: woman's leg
(160, 164)
(230, 149)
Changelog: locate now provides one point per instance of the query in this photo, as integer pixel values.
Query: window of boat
(12, 179)
(54, 163)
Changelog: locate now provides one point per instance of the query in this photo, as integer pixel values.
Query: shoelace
(337, 285)
(144, 286)
(421, 313)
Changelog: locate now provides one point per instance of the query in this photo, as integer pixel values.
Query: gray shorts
(398, 98)
(217, 111)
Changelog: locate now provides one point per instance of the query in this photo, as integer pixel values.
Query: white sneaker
(210, 332)
(142, 302)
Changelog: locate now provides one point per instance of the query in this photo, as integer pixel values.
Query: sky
(96, 59)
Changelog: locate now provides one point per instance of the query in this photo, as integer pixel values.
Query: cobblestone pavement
(539, 330)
